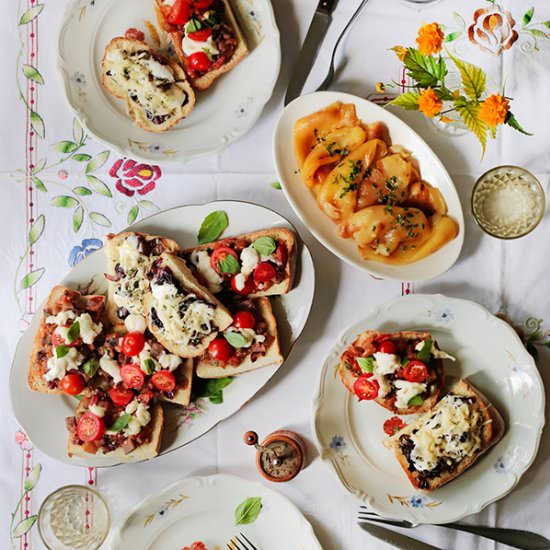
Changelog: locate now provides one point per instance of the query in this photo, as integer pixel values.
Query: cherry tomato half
(220, 254)
(90, 427)
(180, 12)
(415, 371)
(247, 289)
(134, 34)
(387, 346)
(365, 388)
(164, 380)
(264, 272)
(200, 62)
(281, 253)
(72, 384)
(244, 319)
(57, 339)
(201, 35)
(132, 376)
(202, 4)
(120, 395)
(132, 343)
(393, 425)
(220, 349)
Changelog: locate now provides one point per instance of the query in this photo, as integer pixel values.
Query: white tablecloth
(508, 277)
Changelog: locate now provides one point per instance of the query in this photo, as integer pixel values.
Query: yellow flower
(400, 51)
(430, 39)
(429, 103)
(493, 110)
(380, 88)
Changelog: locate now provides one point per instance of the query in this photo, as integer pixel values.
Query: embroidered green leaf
(98, 186)
(100, 219)
(81, 157)
(248, 511)
(148, 205)
(237, 339)
(30, 279)
(265, 246)
(61, 351)
(90, 367)
(37, 228)
(424, 69)
(64, 201)
(528, 16)
(469, 113)
(415, 401)
(366, 363)
(121, 422)
(39, 184)
(32, 73)
(407, 101)
(547, 24)
(38, 124)
(32, 478)
(82, 191)
(133, 214)
(24, 526)
(213, 226)
(459, 20)
(78, 218)
(66, 146)
(473, 78)
(538, 33)
(97, 162)
(511, 120)
(78, 131)
(74, 332)
(31, 13)
(452, 36)
(276, 185)
(425, 352)
(38, 167)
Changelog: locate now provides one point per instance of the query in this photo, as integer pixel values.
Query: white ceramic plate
(349, 434)
(203, 509)
(323, 227)
(222, 114)
(42, 416)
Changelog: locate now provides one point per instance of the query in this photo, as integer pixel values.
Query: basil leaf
(217, 398)
(425, 352)
(237, 339)
(415, 401)
(405, 361)
(121, 422)
(229, 264)
(193, 25)
(213, 226)
(61, 351)
(90, 367)
(74, 332)
(214, 389)
(248, 511)
(265, 246)
(366, 363)
(149, 365)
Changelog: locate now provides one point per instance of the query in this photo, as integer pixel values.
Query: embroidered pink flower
(22, 441)
(62, 174)
(493, 29)
(134, 177)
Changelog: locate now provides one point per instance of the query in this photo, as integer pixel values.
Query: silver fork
(512, 537)
(241, 542)
(330, 75)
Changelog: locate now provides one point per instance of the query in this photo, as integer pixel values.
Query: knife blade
(310, 48)
(395, 539)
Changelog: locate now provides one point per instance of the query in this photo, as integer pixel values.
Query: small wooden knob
(251, 438)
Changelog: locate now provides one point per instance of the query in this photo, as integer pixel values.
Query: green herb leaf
(425, 352)
(425, 70)
(405, 361)
(473, 78)
(229, 264)
(30, 279)
(265, 246)
(90, 367)
(149, 365)
(528, 16)
(366, 363)
(469, 113)
(37, 124)
(32, 478)
(236, 339)
(214, 389)
(98, 186)
(216, 398)
(78, 217)
(248, 511)
(81, 191)
(64, 201)
(121, 422)
(276, 185)
(39, 184)
(30, 14)
(37, 228)
(415, 401)
(74, 332)
(193, 25)
(61, 351)
(133, 214)
(24, 526)
(32, 73)
(100, 219)
(511, 120)
(213, 226)
(407, 101)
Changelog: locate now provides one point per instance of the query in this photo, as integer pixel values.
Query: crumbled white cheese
(249, 260)
(57, 367)
(88, 329)
(201, 260)
(110, 367)
(240, 281)
(98, 410)
(249, 335)
(190, 46)
(169, 361)
(61, 318)
(437, 353)
(131, 407)
(140, 417)
(406, 391)
(385, 386)
(386, 363)
(135, 323)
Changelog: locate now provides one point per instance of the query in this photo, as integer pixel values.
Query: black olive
(122, 312)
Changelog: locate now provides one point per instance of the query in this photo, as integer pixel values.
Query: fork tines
(241, 542)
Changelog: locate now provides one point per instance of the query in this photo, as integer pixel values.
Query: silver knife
(395, 539)
(314, 38)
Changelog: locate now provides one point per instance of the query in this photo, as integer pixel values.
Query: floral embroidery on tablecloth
(414, 501)
(132, 177)
(79, 252)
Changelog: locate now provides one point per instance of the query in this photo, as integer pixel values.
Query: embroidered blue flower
(337, 443)
(78, 253)
(500, 466)
(418, 501)
(446, 315)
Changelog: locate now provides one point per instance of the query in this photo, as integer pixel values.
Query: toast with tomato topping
(69, 331)
(403, 372)
(250, 343)
(442, 443)
(262, 263)
(207, 39)
(182, 315)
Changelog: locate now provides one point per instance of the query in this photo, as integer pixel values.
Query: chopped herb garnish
(73, 332)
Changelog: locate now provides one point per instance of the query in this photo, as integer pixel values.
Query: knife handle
(327, 6)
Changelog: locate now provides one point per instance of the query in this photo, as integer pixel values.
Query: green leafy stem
(25, 525)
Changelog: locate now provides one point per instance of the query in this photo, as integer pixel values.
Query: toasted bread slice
(182, 315)
(60, 299)
(208, 367)
(155, 90)
(184, 377)
(207, 275)
(365, 345)
(488, 423)
(149, 249)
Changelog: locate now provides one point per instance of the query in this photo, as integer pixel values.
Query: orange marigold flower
(400, 52)
(430, 39)
(429, 103)
(493, 110)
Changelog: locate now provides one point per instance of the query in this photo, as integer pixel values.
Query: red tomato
(72, 384)
(415, 371)
(120, 395)
(247, 289)
(366, 389)
(180, 12)
(244, 319)
(90, 427)
(220, 349)
(281, 253)
(56, 339)
(134, 34)
(219, 254)
(132, 376)
(200, 36)
(393, 425)
(202, 4)
(387, 346)
(164, 380)
(264, 272)
(132, 343)
(200, 62)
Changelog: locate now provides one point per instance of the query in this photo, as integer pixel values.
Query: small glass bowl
(74, 517)
(508, 202)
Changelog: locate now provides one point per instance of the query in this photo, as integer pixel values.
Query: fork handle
(512, 537)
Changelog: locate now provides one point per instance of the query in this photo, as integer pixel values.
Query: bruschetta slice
(402, 372)
(250, 343)
(262, 263)
(442, 443)
(62, 358)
